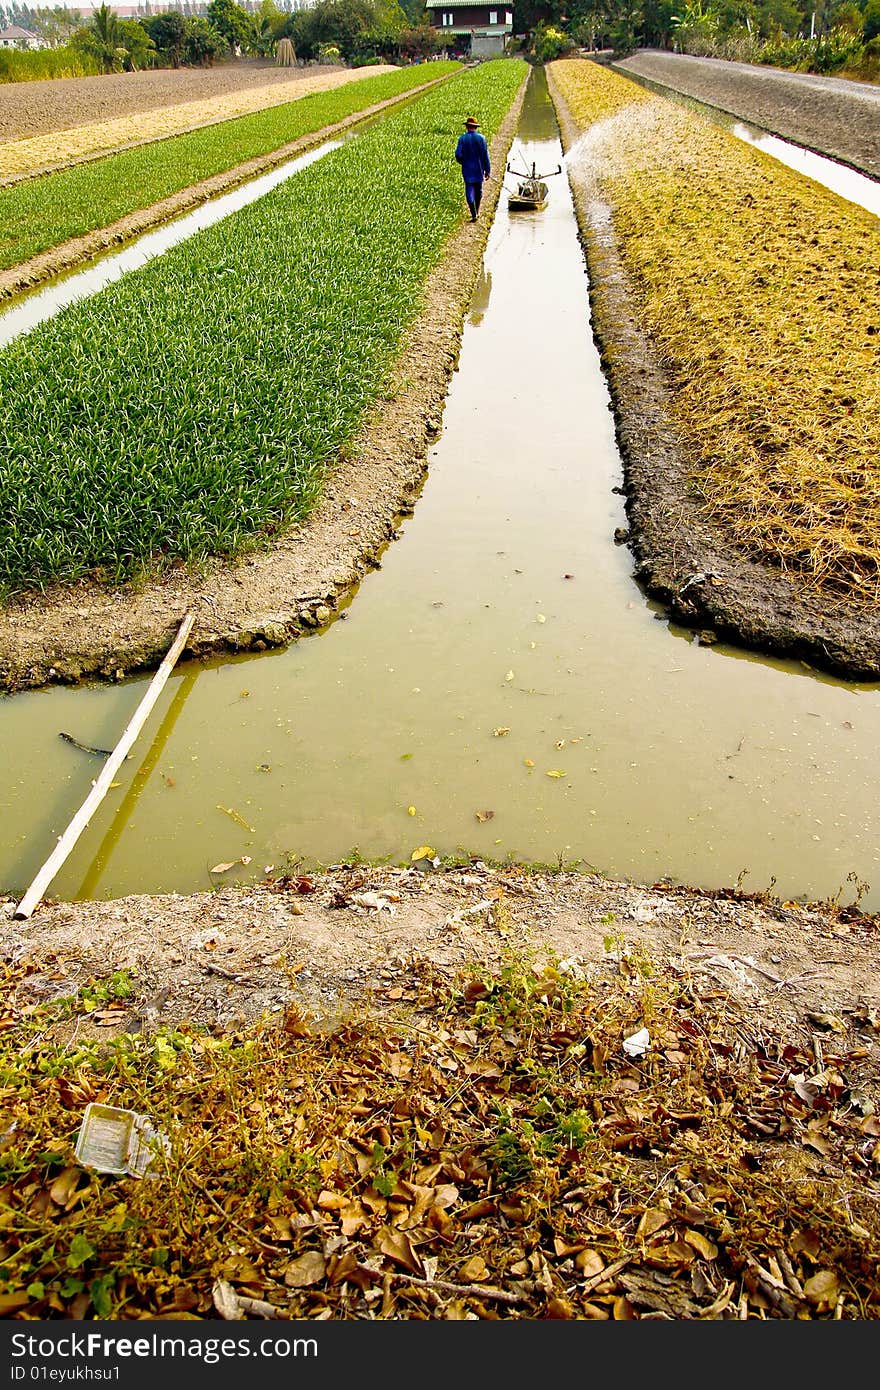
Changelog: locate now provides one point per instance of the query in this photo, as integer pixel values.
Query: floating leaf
(484, 815)
(509, 676)
(410, 810)
(422, 852)
(501, 731)
(556, 772)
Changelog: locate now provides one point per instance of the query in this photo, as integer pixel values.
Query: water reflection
(481, 295)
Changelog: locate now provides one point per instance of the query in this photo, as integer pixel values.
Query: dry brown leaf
(703, 1246)
(308, 1269)
(237, 1269)
(64, 1186)
(822, 1290)
(560, 1308)
(474, 1270)
(589, 1262)
(653, 1220)
(396, 1246)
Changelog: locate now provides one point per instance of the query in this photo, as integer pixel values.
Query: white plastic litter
(118, 1141)
(637, 1044)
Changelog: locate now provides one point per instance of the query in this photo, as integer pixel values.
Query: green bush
(549, 43)
(16, 66)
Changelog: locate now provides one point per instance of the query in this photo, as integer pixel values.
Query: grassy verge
(42, 213)
(493, 1152)
(761, 291)
(34, 67)
(193, 408)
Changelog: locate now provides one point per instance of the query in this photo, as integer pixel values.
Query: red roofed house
(482, 31)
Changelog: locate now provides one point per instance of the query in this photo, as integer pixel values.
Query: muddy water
(839, 178)
(504, 606)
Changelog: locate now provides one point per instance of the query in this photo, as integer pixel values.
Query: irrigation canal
(502, 644)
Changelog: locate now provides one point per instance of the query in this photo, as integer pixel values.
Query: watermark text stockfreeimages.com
(28, 1351)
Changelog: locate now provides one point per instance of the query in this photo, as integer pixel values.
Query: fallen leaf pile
(491, 1153)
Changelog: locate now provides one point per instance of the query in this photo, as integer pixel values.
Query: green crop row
(40, 213)
(193, 407)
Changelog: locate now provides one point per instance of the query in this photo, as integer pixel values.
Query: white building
(16, 37)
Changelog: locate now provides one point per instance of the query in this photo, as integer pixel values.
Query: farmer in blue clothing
(472, 153)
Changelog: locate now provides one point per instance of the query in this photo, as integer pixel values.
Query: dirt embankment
(343, 941)
(79, 249)
(61, 103)
(683, 559)
(506, 1095)
(272, 598)
(834, 116)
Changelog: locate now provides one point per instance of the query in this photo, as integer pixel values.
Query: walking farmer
(472, 153)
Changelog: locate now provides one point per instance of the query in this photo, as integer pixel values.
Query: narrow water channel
(500, 686)
(44, 302)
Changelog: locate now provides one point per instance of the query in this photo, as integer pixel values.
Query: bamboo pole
(101, 785)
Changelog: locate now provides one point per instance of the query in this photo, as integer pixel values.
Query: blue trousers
(473, 192)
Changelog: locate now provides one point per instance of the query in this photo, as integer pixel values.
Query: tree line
(344, 31)
(808, 35)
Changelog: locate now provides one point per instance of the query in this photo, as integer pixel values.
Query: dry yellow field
(39, 153)
(762, 292)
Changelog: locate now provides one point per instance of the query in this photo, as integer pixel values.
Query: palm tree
(107, 37)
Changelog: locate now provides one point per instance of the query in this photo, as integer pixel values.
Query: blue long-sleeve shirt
(472, 153)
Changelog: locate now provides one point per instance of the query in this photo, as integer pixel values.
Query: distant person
(472, 153)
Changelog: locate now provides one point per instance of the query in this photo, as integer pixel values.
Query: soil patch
(269, 599)
(79, 249)
(61, 103)
(831, 115)
(684, 560)
(28, 159)
(348, 940)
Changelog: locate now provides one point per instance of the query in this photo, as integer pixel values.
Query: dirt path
(352, 938)
(60, 103)
(832, 115)
(269, 599)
